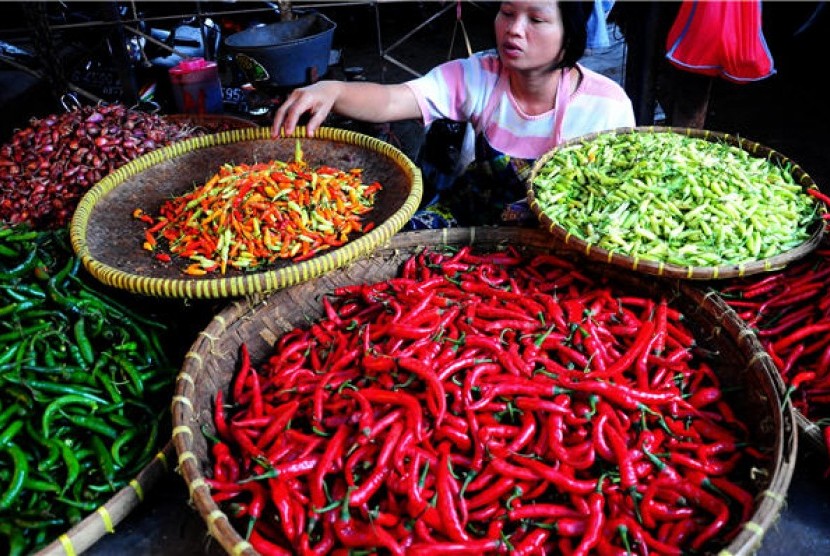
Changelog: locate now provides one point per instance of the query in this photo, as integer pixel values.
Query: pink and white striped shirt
(477, 90)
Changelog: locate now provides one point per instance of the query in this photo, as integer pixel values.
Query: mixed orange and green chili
(247, 216)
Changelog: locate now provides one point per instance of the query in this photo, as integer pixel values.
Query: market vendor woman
(522, 99)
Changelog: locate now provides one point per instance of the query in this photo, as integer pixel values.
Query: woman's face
(529, 34)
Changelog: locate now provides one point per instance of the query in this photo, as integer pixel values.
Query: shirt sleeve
(599, 105)
(455, 90)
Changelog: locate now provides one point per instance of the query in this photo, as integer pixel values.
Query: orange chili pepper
(195, 269)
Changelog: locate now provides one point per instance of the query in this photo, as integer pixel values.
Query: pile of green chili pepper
(83, 382)
(484, 403)
(673, 198)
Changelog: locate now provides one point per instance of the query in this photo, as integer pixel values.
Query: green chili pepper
(21, 471)
(107, 465)
(9, 432)
(73, 466)
(59, 403)
(19, 270)
(81, 338)
(94, 424)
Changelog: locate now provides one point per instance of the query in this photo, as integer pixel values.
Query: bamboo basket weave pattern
(212, 360)
(108, 239)
(665, 269)
(104, 520)
(212, 123)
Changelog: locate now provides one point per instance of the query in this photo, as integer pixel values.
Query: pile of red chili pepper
(249, 215)
(483, 403)
(790, 311)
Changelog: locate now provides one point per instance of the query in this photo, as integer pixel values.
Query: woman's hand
(364, 101)
(316, 100)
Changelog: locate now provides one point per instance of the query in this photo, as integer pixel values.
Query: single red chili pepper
(381, 470)
(256, 391)
(433, 384)
(225, 464)
(650, 541)
(792, 358)
(332, 452)
(543, 511)
(459, 439)
(246, 444)
(242, 373)
(800, 379)
(277, 424)
(407, 401)
(560, 479)
(622, 455)
(219, 420)
(281, 498)
(625, 396)
(359, 456)
(473, 547)
(265, 546)
(446, 504)
(492, 493)
(593, 526)
(704, 397)
(357, 535)
(599, 438)
(639, 345)
(783, 325)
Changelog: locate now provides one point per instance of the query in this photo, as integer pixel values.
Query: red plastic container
(196, 86)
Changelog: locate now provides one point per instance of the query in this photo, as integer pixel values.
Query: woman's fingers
(286, 117)
(315, 100)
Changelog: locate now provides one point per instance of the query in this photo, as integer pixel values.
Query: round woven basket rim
(255, 282)
(102, 521)
(186, 414)
(670, 270)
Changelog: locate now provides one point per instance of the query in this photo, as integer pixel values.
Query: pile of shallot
(47, 167)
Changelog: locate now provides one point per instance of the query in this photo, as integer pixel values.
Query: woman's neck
(536, 93)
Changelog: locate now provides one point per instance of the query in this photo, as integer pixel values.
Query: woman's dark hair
(575, 31)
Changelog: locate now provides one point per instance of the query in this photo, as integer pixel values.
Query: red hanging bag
(720, 38)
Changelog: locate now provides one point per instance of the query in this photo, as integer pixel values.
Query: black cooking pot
(284, 54)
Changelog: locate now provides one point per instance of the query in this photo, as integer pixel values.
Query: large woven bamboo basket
(108, 239)
(104, 520)
(212, 360)
(662, 268)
